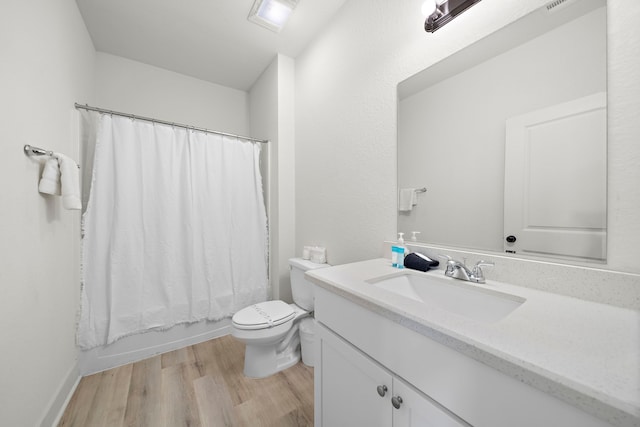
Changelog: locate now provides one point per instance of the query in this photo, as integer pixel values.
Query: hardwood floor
(201, 385)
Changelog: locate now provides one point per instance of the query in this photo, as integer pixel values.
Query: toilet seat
(263, 315)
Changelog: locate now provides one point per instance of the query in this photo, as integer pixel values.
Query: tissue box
(318, 255)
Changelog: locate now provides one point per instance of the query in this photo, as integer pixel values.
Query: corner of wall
(61, 398)
(271, 118)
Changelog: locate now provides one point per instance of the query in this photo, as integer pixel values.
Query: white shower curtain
(175, 229)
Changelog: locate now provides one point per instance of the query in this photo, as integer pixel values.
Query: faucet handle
(450, 261)
(483, 263)
(450, 264)
(445, 257)
(477, 270)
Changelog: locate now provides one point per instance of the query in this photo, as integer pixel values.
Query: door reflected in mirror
(488, 133)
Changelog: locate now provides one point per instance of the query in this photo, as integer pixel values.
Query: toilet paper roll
(306, 252)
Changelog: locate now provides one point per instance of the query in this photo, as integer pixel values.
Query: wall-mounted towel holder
(421, 190)
(30, 150)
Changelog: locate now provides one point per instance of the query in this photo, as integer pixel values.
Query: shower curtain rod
(148, 119)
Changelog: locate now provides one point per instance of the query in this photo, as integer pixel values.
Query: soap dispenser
(398, 252)
(414, 238)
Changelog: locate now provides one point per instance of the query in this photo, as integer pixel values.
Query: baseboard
(141, 346)
(61, 398)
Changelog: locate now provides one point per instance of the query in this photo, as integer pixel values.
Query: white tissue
(318, 255)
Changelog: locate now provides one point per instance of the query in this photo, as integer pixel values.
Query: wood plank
(299, 378)
(77, 411)
(144, 403)
(205, 355)
(214, 403)
(295, 418)
(182, 355)
(229, 356)
(110, 401)
(179, 401)
(200, 385)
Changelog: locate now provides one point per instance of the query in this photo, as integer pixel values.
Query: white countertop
(584, 353)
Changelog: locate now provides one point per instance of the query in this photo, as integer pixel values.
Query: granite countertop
(582, 352)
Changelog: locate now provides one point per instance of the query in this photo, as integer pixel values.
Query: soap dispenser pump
(414, 238)
(402, 245)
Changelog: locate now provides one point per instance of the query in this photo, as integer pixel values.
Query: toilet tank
(301, 288)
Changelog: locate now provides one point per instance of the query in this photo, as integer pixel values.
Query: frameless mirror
(508, 136)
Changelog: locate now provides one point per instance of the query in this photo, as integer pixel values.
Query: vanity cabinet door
(417, 410)
(354, 390)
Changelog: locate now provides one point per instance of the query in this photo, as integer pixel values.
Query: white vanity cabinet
(357, 391)
(350, 382)
(359, 349)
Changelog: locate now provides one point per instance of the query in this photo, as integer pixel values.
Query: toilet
(270, 329)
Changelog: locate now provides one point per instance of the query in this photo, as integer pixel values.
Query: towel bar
(30, 150)
(35, 151)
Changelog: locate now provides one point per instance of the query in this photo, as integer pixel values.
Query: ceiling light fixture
(438, 13)
(271, 14)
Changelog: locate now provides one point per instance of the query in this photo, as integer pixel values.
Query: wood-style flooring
(200, 385)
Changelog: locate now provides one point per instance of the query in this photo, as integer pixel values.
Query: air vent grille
(554, 5)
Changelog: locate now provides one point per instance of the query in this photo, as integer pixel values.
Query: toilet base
(262, 361)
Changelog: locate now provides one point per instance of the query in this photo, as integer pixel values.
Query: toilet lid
(263, 315)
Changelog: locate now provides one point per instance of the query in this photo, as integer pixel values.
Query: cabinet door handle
(382, 390)
(396, 401)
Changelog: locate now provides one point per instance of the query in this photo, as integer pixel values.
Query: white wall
(456, 127)
(623, 193)
(272, 117)
(346, 120)
(47, 65)
(136, 88)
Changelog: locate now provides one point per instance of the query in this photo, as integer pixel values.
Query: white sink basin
(455, 296)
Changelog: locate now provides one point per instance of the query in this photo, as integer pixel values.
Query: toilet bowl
(270, 329)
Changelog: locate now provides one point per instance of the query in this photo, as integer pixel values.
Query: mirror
(519, 115)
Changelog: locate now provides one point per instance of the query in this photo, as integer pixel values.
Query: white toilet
(270, 329)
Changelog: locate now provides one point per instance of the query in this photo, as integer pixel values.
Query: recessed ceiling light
(272, 14)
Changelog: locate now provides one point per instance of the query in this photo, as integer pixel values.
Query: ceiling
(211, 40)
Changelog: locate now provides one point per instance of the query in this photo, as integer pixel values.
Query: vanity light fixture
(438, 13)
(271, 14)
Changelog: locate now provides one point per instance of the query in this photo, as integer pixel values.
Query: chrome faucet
(458, 270)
